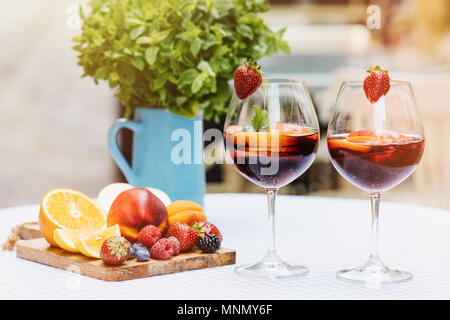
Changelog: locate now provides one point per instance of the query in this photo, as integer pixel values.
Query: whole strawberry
(149, 235)
(186, 235)
(207, 228)
(376, 84)
(247, 79)
(115, 250)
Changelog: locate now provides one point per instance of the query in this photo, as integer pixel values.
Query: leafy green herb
(173, 54)
(260, 119)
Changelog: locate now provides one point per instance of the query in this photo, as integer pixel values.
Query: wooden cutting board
(38, 250)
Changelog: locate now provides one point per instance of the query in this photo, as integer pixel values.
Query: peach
(136, 208)
(185, 212)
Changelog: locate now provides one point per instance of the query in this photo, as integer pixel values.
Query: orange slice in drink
(367, 135)
(360, 139)
(256, 139)
(233, 129)
(69, 209)
(292, 129)
(343, 144)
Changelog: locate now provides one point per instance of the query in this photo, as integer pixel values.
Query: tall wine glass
(271, 137)
(375, 147)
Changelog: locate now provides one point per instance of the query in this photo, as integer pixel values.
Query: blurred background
(53, 124)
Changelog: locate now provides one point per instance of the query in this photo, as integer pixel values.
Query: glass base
(271, 267)
(374, 272)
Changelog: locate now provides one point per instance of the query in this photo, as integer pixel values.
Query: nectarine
(135, 208)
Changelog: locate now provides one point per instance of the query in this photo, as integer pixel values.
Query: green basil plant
(173, 54)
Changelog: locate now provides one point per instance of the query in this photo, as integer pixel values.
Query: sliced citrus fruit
(376, 134)
(69, 209)
(66, 238)
(233, 129)
(90, 246)
(335, 143)
(292, 129)
(360, 138)
(256, 139)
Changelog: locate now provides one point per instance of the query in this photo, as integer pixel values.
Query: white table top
(325, 234)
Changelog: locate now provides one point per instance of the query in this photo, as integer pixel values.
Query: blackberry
(209, 243)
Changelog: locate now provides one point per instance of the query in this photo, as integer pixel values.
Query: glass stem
(375, 206)
(271, 195)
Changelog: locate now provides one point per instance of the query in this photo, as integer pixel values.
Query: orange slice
(233, 129)
(90, 246)
(292, 129)
(360, 138)
(334, 143)
(66, 238)
(256, 139)
(377, 135)
(68, 209)
(283, 134)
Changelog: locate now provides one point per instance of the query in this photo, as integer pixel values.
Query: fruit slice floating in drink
(375, 160)
(287, 148)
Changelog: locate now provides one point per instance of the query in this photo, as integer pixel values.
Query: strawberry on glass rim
(376, 84)
(271, 138)
(247, 79)
(375, 144)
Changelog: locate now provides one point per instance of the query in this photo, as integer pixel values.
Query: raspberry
(209, 243)
(176, 245)
(149, 235)
(163, 249)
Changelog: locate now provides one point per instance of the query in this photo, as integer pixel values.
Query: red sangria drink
(375, 161)
(274, 158)
(271, 137)
(376, 141)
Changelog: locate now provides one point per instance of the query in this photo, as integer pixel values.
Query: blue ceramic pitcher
(167, 153)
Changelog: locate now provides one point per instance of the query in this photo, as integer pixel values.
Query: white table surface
(325, 234)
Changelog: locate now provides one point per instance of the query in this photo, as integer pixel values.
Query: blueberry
(132, 253)
(138, 246)
(142, 255)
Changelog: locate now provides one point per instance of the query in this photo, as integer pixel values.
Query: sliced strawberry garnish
(247, 79)
(376, 84)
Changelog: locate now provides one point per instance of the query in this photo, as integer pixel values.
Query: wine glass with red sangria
(271, 137)
(375, 140)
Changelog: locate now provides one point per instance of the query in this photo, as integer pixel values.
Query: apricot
(185, 212)
(136, 208)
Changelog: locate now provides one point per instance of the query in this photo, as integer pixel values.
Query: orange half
(69, 209)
